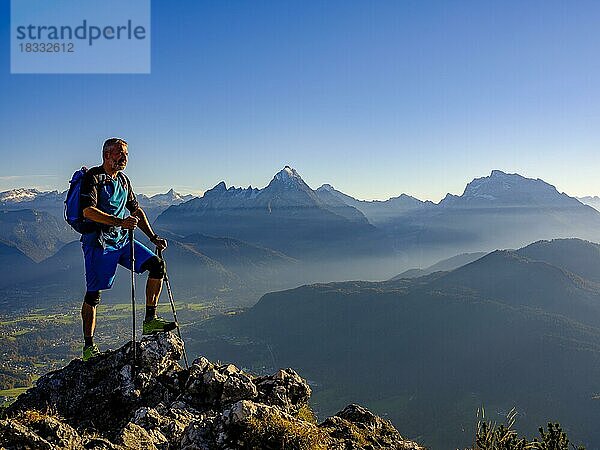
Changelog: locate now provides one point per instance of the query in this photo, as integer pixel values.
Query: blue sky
(376, 98)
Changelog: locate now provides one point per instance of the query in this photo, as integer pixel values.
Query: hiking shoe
(90, 351)
(157, 325)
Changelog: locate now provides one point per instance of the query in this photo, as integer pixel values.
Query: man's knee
(92, 298)
(156, 267)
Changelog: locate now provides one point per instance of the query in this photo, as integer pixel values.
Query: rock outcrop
(104, 404)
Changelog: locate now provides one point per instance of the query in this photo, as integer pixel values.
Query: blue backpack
(73, 213)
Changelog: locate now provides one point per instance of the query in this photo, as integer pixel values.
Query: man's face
(117, 157)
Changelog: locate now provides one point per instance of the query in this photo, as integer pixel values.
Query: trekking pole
(187, 366)
(132, 301)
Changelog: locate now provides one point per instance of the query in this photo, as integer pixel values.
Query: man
(106, 198)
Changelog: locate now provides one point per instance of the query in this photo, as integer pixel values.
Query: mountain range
(52, 202)
(32, 220)
(377, 211)
(331, 234)
(200, 268)
(497, 211)
(35, 233)
(286, 215)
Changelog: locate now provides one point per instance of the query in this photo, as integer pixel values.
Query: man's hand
(129, 223)
(160, 243)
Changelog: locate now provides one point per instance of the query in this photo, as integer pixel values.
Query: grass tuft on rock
(275, 431)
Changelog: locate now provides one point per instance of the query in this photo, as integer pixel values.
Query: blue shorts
(101, 264)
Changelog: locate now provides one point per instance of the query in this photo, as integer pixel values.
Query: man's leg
(88, 317)
(156, 272)
(147, 260)
(153, 290)
(100, 269)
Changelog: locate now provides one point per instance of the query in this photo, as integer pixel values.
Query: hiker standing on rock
(110, 209)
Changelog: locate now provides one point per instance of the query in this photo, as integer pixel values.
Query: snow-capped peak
(19, 195)
(507, 189)
(171, 197)
(171, 194)
(288, 178)
(325, 187)
(287, 174)
(496, 184)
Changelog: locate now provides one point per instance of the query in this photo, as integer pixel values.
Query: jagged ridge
(100, 405)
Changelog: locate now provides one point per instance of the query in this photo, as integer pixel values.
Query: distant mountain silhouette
(338, 206)
(498, 211)
(246, 260)
(512, 190)
(167, 199)
(513, 279)
(575, 255)
(154, 205)
(333, 235)
(444, 265)
(500, 189)
(594, 201)
(35, 233)
(376, 211)
(287, 215)
(199, 266)
(48, 201)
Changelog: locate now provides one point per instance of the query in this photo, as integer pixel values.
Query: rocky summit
(104, 404)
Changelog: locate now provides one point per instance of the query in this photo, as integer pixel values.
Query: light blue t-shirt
(110, 196)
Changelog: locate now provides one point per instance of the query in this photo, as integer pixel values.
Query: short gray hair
(110, 143)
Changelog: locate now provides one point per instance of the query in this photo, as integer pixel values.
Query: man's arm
(143, 222)
(93, 213)
(145, 226)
